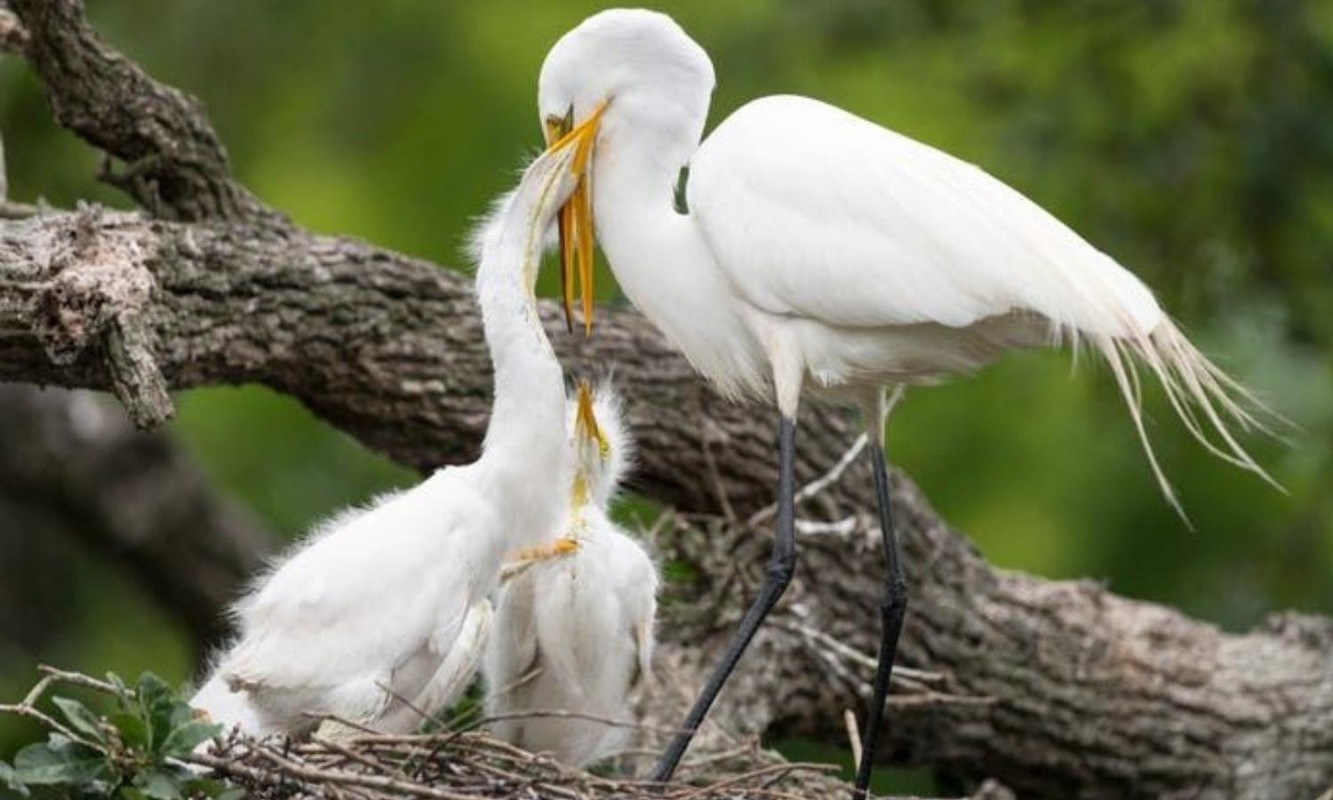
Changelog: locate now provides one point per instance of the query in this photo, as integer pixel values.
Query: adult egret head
(623, 72)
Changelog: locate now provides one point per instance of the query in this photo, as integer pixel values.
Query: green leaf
(38, 764)
(181, 713)
(211, 787)
(80, 718)
(133, 730)
(185, 738)
(118, 682)
(10, 781)
(157, 784)
(149, 684)
(61, 761)
(123, 695)
(157, 702)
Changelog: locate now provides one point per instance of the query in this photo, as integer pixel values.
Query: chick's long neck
(525, 456)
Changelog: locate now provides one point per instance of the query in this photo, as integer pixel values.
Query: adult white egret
(574, 633)
(379, 611)
(816, 249)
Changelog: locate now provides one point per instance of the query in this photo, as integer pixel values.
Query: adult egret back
(815, 249)
(363, 620)
(574, 633)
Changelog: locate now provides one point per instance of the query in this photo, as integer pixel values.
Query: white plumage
(886, 231)
(229, 707)
(574, 632)
(815, 249)
(820, 249)
(383, 610)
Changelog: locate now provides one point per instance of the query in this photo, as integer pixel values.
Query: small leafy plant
(134, 753)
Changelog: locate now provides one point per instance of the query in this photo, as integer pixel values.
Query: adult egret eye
(557, 126)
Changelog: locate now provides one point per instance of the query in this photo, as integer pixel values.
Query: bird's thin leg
(892, 609)
(780, 569)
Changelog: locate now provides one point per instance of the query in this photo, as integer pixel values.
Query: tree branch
(13, 36)
(133, 497)
(386, 347)
(1056, 688)
(175, 164)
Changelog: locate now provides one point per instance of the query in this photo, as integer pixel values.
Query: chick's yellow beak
(575, 217)
(585, 421)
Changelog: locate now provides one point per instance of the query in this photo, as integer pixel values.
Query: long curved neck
(524, 456)
(529, 402)
(662, 261)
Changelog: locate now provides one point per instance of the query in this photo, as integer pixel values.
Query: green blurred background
(1189, 139)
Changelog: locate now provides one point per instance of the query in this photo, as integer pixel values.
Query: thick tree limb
(1056, 688)
(386, 347)
(175, 165)
(134, 497)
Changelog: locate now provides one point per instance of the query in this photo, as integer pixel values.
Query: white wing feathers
(865, 227)
(451, 675)
(510, 655)
(356, 602)
(813, 212)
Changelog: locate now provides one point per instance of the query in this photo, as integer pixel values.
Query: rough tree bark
(1060, 689)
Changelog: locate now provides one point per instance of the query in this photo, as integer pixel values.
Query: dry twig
(449, 765)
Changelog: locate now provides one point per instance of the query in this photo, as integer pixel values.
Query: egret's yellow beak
(575, 217)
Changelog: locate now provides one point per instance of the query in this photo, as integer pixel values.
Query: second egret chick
(573, 630)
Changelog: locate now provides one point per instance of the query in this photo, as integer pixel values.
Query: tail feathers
(1210, 403)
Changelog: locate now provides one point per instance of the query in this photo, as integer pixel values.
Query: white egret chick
(381, 611)
(809, 248)
(574, 631)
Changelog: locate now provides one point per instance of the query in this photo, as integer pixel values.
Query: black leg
(891, 610)
(780, 568)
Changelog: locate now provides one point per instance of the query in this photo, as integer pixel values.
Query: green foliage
(133, 752)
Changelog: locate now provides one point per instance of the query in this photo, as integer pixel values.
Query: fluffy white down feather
(373, 603)
(574, 633)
